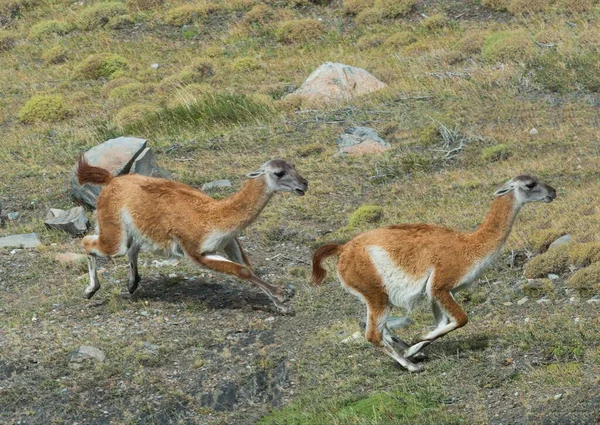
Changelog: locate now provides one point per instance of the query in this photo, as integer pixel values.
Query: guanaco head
(528, 189)
(281, 176)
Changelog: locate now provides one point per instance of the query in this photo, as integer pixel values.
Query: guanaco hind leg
(134, 277)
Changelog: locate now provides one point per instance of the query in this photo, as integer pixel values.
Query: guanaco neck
(495, 229)
(241, 208)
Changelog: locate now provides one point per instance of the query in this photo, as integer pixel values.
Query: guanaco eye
(530, 185)
(279, 174)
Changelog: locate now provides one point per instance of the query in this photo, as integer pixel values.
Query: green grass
(218, 109)
(378, 408)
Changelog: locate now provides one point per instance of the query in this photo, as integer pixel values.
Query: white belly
(403, 289)
(216, 241)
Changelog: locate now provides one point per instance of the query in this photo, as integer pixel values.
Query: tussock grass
(208, 110)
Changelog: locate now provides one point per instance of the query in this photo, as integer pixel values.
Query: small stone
(86, 352)
(28, 240)
(553, 276)
(522, 300)
(533, 132)
(593, 300)
(561, 241)
(361, 140)
(217, 184)
(172, 275)
(397, 322)
(558, 396)
(352, 338)
(151, 348)
(507, 303)
(73, 221)
(270, 319)
(13, 215)
(543, 300)
(154, 66)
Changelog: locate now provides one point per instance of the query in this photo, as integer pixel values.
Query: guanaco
(136, 213)
(401, 265)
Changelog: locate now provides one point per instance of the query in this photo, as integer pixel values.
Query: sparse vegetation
(587, 280)
(394, 8)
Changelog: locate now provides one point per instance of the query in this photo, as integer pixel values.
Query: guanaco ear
(255, 174)
(504, 189)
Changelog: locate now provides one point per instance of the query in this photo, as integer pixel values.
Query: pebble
(13, 215)
(154, 66)
(507, 303)
(593, 300)
(533, 132)
(557, 396)
(543, 300)
(354, 337)
(553, 276)
(522, 301)
(270, 319)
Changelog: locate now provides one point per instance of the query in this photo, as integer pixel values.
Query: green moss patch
(44, 108)
(365, 214)
(495, 153)
(102, 65)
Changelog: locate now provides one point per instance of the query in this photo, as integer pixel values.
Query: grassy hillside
(479, 75)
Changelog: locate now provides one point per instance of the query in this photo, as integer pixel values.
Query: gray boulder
(561, 241)
(86, 352)
(122, 155)
(334, 82)
(28, 240)
(73, 221)
(361, 140)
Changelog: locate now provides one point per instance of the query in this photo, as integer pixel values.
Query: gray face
(282, 176)
(528, 189)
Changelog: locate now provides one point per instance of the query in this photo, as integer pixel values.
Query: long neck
(493, 232)
(241, 208)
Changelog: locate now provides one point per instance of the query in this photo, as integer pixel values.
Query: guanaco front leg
(449, 307)
(223, 265)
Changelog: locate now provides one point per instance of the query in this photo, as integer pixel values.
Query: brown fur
(444, 257)
(87, 173)
(133, 210)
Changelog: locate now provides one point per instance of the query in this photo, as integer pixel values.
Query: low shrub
(400, 39)
(132, 114)
(586, 281)
(299, 31)
(48, 28)
(354, 7)
(394, 8)
(98, 14)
